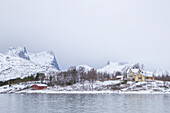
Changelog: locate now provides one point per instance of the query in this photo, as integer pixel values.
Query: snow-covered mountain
(113, 67)
(18, 52)
(86, 68)
(17, 62)
(46, 58)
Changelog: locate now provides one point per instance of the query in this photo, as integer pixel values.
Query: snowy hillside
(86, 67)
(18, 63)
(161, 72)
(114, 67)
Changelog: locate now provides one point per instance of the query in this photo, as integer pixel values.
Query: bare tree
(136, 66)
(41, 77)
(73, 73)
(82, 75)
(118, 73)
(92, 76)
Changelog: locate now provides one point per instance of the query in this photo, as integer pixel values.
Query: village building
(139, 77)
(149, 76)
(135, 75)
(150, 79)
(131, 73)
(120, 77)
(39, 86)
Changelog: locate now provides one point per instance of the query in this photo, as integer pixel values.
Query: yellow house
(139, 77)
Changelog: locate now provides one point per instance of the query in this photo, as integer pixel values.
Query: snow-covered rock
(46, 58)
(18, 52)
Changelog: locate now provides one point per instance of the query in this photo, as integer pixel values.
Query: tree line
(80, 75)
(36, 77)
(163, 77)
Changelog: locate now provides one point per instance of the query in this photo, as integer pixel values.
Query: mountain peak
(50, 52)
(17, 49)
(18, 52)
(17, 62)
(45, 58)
(113, 67)
(109, 62)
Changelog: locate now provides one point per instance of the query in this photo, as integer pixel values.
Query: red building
(39, 86)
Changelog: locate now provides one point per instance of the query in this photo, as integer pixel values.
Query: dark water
(84, 103)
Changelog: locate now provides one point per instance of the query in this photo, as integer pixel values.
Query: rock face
(46, 58)
(18, 52)
(17, 62)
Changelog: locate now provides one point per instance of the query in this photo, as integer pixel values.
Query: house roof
(40, 84)
(133, 70)
(148, 74)
(119, 76)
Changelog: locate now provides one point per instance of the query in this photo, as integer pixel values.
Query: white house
(131, 73)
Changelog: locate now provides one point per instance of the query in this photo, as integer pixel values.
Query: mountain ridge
(17, 62)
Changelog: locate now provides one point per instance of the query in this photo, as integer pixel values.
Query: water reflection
(83, 103)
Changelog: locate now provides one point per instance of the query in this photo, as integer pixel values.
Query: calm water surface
(84, 103)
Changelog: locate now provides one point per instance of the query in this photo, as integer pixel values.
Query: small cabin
(150, 79)
(149, 76)
(120, 77)
(39, 86)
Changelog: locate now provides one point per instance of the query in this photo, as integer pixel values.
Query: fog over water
(89, 31)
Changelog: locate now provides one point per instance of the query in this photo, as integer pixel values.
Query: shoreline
(88, 92)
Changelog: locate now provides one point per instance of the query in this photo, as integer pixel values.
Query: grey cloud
(89, 31)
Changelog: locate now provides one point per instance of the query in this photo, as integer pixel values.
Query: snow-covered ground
(111, 86)
(13, 88)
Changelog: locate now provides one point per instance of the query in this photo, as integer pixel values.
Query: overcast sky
(89, 31)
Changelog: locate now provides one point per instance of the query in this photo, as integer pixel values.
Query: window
(139, 77)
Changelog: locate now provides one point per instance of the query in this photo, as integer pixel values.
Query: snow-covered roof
(41, 84)
(148, 74)
(119, 76)
(133, 70)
